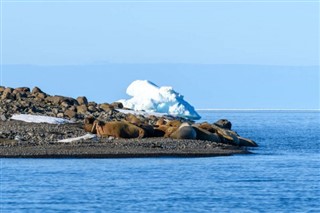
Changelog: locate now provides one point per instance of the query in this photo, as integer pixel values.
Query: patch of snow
(84, 137)
(148, 97)
(39, 119)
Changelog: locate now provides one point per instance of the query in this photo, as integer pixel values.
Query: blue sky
(219, 55)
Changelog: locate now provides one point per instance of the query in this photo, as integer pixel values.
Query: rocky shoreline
(122, 149)
(43, 140)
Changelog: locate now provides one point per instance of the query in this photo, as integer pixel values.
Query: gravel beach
(31, 140)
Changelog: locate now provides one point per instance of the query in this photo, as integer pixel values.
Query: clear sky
(245, 54)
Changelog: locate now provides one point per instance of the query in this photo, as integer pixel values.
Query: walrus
(222, 133)
(160, 121)
(234, 136)
(160, 130)
(174, 123)
(185, 131)
(88, 125)
(118, 129)
(149, 130)
(131, 118)
(247, 142)
(165, 130)
(223, 123)
(207, 126)
(169, 131)
(205, 135)
(227, 136)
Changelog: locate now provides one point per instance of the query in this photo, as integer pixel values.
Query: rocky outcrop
(109, 121)
(23, 100)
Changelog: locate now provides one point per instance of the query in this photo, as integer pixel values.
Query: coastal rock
(3, 117)
(41, 95)
(82, 109)
(82, 100)
(106, 107)
(36, 90)
(57, 100)
(7, 93)
(70, 113)
(2, 89)
(92, 108)
(117, 105)
(21, 90)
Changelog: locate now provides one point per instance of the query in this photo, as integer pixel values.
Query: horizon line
(211, 109)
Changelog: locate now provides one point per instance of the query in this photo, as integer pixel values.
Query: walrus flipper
(247, 142)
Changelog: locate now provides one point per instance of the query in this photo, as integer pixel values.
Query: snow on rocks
(39, 119)
(148, 97)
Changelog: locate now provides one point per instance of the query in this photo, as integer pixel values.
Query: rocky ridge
(22, 100)
(21, 139)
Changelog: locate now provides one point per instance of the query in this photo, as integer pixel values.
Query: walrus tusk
(94, 126)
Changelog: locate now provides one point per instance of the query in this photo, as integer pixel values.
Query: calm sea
(283, 175)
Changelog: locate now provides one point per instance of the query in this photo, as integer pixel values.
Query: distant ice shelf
(148, 97)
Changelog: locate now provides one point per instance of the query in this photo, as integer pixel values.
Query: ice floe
(84, 137)
(148, 97)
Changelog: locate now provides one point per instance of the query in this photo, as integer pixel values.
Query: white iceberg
(39, 119)
(148, 97)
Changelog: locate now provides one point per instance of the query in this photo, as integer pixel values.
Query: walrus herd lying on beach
(133, 127)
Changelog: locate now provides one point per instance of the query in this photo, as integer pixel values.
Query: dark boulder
(57, 100)
(117, 105)
(106, 107)
(82, 100)
(21, 90)
(36, 90)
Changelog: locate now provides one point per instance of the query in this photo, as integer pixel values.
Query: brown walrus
(169, 131)
(247, 142)
(88, 125)
(149, 130)
(160, 130)
(174, 123)
(131, 118)
(118, 129)
(160, 122)
(205, 135)
(207, 126)
(185, 131)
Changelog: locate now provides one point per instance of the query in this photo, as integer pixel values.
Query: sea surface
(283, 175)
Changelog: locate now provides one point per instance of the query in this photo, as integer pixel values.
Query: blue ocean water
(283, 175)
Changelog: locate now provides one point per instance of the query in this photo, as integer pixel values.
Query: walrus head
(89, 125)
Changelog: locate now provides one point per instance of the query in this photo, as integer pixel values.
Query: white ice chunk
(39, 119)
(145, 114)
(84, 137)
(147, 96)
